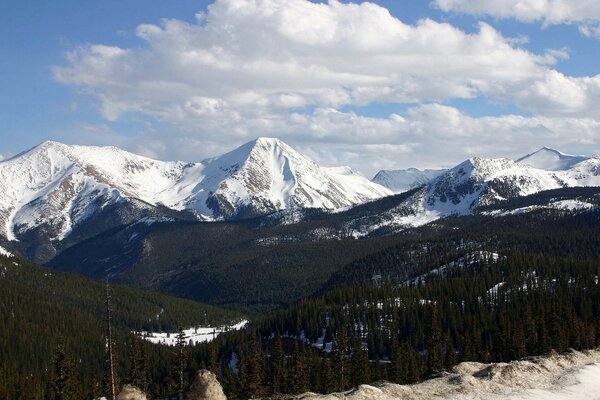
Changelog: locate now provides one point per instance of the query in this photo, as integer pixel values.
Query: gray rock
(205, 387)
(130, 392)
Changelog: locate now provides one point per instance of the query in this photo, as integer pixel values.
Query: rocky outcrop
(572, 375)
(205, 387)
(130, 392)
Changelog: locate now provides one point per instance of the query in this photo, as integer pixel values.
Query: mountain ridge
(56, 188)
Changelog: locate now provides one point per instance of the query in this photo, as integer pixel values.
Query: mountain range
(57, 195)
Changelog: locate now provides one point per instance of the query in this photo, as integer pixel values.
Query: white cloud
(590, 29)
(258, 56)
(549, 12)
(285, 68)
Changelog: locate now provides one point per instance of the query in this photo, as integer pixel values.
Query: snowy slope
(267, 175)
(403, 180)
(59, 187)
(478, 182)
(551, 160)
(570, 376)
(4, 252)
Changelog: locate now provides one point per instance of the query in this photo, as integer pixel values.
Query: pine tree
(213, 359)
(180, 363)
(255, 369)
(450, 360)
(300, 374)
(328, 378)
(277, 365)
(360, 363)
(434, 342)
(137, 374)
(398, 367)
(63, 373)
(341, 362)
(110, 379)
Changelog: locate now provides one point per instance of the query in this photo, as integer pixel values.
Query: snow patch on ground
(5, 253)
(570, 376)
(194, 335)
(567, 205)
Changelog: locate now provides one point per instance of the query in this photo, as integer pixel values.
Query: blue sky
(391, 117)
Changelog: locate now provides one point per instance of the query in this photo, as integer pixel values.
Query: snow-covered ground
(4, 252)
(195, 335)
(570, 376)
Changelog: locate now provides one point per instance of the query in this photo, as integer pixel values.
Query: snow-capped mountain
(551, 160)
(479, 182)
(57, 187)
(403, 180)
(267, 175)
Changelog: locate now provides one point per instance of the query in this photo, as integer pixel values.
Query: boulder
(130, 392)
(205, 387)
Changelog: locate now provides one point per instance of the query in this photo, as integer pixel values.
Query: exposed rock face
(205, 387)
(130, 392)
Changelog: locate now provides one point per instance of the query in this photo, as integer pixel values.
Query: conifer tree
(328, 379)
(277, 365)
(341, 362)
(255, 369)
(180, 363)
(434, 342)
(110, 379)
(300, 375)
(63, 374)
(450, 359)
(397, 361)
(213, 359)
(360, 363)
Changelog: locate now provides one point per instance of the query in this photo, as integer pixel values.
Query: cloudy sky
(382, 84)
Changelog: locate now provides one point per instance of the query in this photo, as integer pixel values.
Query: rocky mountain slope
(56, 191)
(479, 182)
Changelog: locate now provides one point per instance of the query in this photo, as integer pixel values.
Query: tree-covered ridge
(490, 309)
(43, 309)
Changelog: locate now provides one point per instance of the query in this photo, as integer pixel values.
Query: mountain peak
(550, 159)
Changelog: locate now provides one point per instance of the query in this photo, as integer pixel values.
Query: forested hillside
(262, 264)
(489, 308)
(41, 308)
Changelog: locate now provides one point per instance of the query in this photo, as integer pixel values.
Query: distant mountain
(481, 182)
(55, 191)
(551, 160)
(403, 180)
(267, 175)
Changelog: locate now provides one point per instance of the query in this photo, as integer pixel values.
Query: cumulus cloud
(428, 135)
(248, 68)
(584, 13)
(258, 56)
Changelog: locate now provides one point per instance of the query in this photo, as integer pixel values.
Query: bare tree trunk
(110, 356)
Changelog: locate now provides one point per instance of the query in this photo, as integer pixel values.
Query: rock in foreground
(570, 376)
(205, 387)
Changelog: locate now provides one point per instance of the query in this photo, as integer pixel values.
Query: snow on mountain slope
(403, 180)
(4, 252)
(551, 160)
(57, 186)
(267, 175)
(478, 182)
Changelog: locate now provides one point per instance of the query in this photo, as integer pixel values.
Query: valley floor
(570, 376)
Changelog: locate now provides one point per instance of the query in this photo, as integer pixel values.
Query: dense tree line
(489, 310)
(52, 322)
